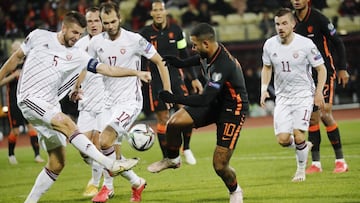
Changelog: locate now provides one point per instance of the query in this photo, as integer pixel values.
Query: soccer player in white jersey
(90, 107)
(123, 101)
(91, 102)
(290, 56)
(50, 59)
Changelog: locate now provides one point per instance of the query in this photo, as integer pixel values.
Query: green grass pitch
(264, 171)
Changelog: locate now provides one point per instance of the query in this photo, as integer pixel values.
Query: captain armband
(92, 65)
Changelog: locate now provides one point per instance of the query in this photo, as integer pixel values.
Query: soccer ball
(141, 137)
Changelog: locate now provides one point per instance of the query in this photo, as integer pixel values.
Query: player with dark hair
(314, 25)
(52, 64)
(16, 118)
(224, 102)
(168, 39)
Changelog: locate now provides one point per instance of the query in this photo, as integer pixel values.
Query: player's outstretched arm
(265, 80)
(319, 98)
(11, 64)
(10, 77)
(163, 70)
(115, 71)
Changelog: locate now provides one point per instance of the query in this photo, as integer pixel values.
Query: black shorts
(329, 87)
(15, 115)
(228, 125)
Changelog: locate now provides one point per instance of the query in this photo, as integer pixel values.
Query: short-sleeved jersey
(167, 41)
(48, 67)
(125, 51)
(92, 86)
(292, 64)
(321, 31)
(225, 77)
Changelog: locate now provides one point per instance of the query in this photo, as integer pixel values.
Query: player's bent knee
(56, 166)
(63, 124)
(284, 139)
(219, 168)
(180, 119)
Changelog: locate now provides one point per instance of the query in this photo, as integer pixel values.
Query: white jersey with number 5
(292, 64)
(48, 67)
(125, 51)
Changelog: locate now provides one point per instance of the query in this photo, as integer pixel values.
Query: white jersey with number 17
(125, 51)
(292, 65)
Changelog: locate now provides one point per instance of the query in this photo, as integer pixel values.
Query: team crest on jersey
(122, 51)
(171, 35)
(295, 55)
(68, 57)
(310, 29)
(216, 76)
(274, 55)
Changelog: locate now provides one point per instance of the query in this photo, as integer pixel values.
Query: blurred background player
(16, 118)
(287, 56)
(168, 39)
(314, 25)
(123, 101)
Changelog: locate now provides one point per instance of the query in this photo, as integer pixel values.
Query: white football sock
(176, 160)
(316, 163)
(97, 171)
(238, 188)
(108, 180)
(43, 182)
(301, 155)
(341, 160)
(131, 176)
(84, 145)
(292, 142)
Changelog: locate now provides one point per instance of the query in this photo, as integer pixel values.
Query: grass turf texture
(264, 171)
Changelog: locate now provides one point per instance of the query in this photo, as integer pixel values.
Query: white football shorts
(288, 117)
(121, 117)
(39, 113)
(88, 121)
